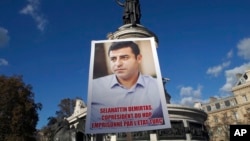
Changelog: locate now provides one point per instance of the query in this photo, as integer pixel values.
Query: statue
(132, 12)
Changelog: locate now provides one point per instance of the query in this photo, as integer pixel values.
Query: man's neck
(128, 83)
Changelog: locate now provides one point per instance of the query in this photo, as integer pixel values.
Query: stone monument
(131, 27)
(187, 123)
(132, 12)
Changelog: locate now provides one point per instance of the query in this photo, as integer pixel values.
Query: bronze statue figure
(132, 12)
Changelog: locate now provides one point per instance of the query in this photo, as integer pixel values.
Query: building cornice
(240, 87)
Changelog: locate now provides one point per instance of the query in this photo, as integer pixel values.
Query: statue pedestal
(129, 31)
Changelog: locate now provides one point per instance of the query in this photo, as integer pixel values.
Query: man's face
(124, 63)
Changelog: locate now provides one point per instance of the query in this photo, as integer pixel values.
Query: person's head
(118, 45)
(125, 59)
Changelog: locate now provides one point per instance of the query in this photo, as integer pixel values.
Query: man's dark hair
(118, 45)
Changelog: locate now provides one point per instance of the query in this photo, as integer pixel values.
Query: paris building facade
(230, 110)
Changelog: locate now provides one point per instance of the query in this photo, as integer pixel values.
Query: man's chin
(120, 76)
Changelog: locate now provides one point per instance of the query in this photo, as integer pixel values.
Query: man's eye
(124, 57)
(113, 59)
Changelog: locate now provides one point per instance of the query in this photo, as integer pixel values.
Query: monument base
(132, 31)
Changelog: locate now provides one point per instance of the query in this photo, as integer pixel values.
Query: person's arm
(121, 4)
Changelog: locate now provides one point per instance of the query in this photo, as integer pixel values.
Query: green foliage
(18, 110)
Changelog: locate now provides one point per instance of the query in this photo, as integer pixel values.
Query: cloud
(231, 76)
(3, 62)
(32, 9)
(186, 91)
(230, 54)
(190, 95)
(216, 70)
(244, 48)
(188, 101)
(243, 51)
(4, 38)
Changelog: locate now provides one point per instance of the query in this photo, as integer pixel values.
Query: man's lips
(119, 70)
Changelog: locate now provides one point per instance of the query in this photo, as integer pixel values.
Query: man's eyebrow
(119, 55)
(124, 55)
(113, 57)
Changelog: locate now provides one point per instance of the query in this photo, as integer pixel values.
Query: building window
(245, 76)
(244, 97)
(227, 103)
(217, 105)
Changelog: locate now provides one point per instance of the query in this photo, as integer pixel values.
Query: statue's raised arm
(132, 12)
(121, 4)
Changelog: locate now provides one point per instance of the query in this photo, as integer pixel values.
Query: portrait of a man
(126, 97)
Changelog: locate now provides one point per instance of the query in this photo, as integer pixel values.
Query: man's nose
(118, 62)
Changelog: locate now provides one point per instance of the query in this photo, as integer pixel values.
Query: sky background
(202, 45)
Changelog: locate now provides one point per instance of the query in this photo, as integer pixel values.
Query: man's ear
(139, 58)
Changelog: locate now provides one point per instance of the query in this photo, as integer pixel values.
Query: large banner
(125, 91)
